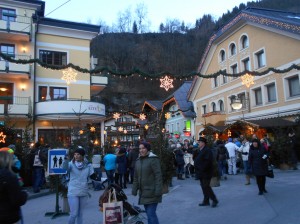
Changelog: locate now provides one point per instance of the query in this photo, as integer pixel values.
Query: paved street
(238, 203)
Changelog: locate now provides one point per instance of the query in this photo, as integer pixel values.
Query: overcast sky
(158, 10)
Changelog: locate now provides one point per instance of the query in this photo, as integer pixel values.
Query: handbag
(270, 172)
(113, 210)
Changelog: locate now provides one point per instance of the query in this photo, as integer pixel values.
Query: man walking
(204, 171)
(231, 148)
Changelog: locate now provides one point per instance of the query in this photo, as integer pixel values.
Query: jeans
(110, 176)
(38, 177)
(232, 165)
(222, 167)
(180, 169)
(247, 167)
(77, 205)
(151, 213)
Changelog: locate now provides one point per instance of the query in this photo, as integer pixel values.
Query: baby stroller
(132, 214)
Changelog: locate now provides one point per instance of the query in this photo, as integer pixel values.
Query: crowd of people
(137, 165)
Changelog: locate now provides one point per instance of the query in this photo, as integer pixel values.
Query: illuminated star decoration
(166, 83)
(146, 126)
(2, 137)
(81, 132)
(120, 129)
(69, 75)
(92, 129)
(247, 80)
(142, 117)
(167, 115)
(116, 116)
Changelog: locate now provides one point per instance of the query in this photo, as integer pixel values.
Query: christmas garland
(108, 71)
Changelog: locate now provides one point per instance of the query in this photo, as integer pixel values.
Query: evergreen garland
(136, 71)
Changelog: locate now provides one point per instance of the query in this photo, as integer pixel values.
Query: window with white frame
(53, 57)
(244, 42)
(213, 107)
(293, 86)
(232, 49)
(224, 78)
(204, 109)
(246, 64)
(221, 105)
(257, 96)
(260, 59)
(8, 49)
(177, 126)
(8, 14)
(271, 92)
(55, 93)
(234, 70)
(242, 97)
(222, 55)
(168, 128)
(216, 81)
(172, 128)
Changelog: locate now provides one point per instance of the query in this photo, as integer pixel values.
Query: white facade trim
(62, 46)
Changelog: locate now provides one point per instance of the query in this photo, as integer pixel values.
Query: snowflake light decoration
(92, 129)
(168, 115)
(2, 137)
(69, 75)
(116, 116)
(142, 117)
(247, 80)
(120, 129)
(166, 83)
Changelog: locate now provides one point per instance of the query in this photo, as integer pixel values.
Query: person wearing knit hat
(80, 172)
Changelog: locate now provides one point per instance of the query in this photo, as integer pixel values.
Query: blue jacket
(110, 161)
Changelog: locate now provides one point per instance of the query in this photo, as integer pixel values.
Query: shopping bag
(270, 172)
(113, 210)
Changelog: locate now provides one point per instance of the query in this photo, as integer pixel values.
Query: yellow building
(255, 40)
(45, 96)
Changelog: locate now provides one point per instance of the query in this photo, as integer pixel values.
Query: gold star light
(168, 115)
(166, 83)
(247, 80)
(69, 75)
(116, 116)
(92, 129)
(2, 137)
(142, 117)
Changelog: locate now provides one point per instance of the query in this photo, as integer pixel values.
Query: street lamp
(236, 104)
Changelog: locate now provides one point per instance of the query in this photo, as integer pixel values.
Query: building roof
(154, 104)
(273, 122)
(276, 19)
(180, 97)
(68, 24)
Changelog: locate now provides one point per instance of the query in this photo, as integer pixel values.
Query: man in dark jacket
(204, 171)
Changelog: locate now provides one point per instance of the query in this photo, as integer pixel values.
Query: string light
(142, 117)
(69, 75)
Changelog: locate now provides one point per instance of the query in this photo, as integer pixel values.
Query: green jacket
(148, 179)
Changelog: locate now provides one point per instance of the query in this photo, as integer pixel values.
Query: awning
(273, 122)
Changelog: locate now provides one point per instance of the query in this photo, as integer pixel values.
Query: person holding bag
(148, 181)
(80, 172)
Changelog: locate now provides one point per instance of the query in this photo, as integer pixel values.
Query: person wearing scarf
(80, 171)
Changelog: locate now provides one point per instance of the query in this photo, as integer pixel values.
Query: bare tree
(124, 21)
(141, 12)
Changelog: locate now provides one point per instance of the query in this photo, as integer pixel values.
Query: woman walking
(258, 156)
(244, 149)
(80, 171)
(148, 181)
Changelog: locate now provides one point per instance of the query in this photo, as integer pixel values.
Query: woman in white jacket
(244, 149)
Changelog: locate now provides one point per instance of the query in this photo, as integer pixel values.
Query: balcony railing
(9, 67)
(21, 24)
(15, 105)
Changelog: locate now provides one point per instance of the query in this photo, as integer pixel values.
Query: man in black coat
(204, 171)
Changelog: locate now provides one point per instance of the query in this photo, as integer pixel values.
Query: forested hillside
(176, 50)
